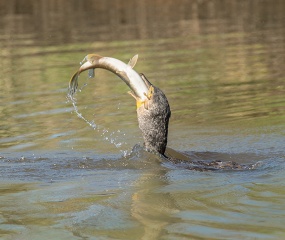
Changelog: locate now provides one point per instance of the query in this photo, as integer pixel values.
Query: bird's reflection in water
(152, 208)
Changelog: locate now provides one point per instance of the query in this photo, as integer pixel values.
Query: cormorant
(153, 110)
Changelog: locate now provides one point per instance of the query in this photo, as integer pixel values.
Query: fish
(139, 87)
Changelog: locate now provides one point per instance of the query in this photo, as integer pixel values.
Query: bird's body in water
(153, 110)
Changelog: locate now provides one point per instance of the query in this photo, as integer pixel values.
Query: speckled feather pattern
(153, 121)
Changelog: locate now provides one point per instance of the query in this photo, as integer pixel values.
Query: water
(221, 66)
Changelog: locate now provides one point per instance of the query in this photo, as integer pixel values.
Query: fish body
(125, 71)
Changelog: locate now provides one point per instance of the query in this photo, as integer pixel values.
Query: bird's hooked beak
(141, 89)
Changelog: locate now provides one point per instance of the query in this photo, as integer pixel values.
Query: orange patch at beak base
(145, 102)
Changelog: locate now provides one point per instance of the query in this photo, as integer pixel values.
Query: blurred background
(61, 22)
(220, 64)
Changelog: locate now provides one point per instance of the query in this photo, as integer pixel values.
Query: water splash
(113, 137)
